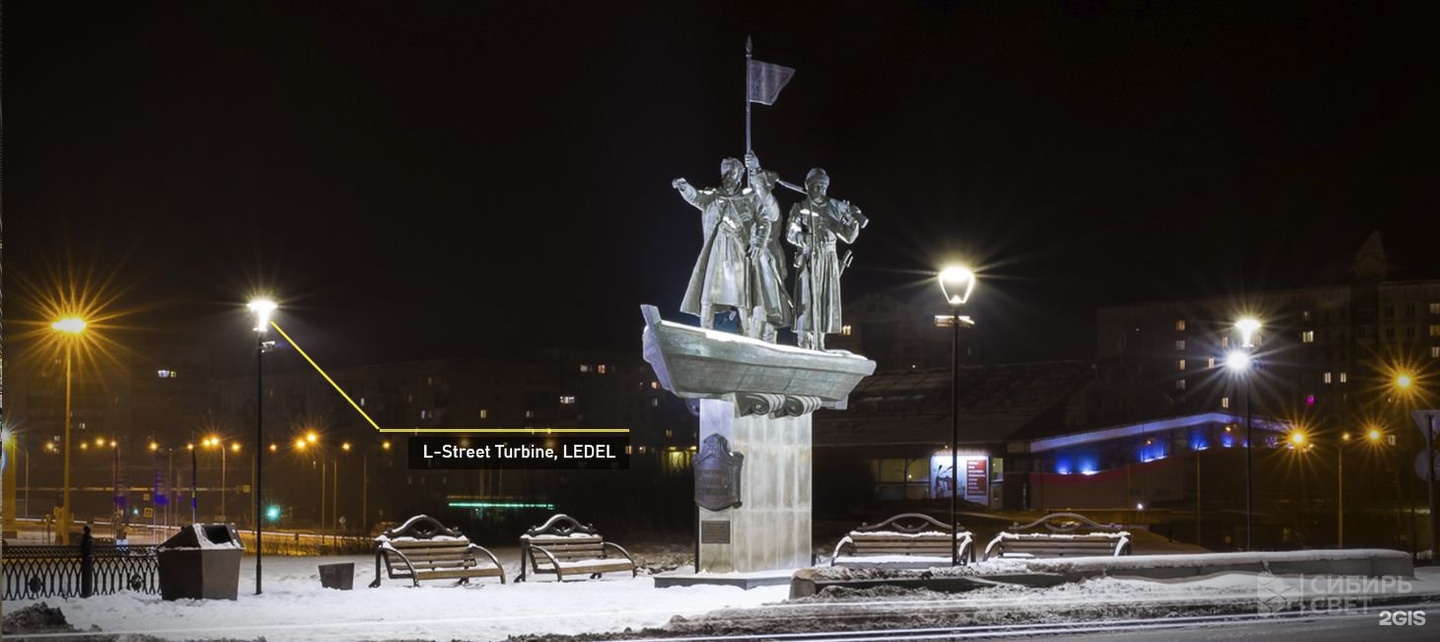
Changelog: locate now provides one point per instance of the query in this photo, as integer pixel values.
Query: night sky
(429, 179)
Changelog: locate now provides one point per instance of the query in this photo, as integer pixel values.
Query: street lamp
(1242, 361)
(218, 442)
(69, 328)
(262, 308)
(311, 441)
(956, 284)
(1405, 383)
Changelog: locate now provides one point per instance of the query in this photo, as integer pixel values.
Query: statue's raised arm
(719, 278)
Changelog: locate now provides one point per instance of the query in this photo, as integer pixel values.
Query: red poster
(976, 481)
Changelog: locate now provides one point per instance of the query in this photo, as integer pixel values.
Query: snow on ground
(294, 606)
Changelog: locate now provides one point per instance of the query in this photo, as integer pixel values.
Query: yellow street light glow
(1373, 435)
(310, 437)
(956, 283)
(1297, 438)
(300, 444)
(235, 447)
(385, 444)
(99, 441)
(1404, 381)
(262, 308)
(345, 446)
(69, 325)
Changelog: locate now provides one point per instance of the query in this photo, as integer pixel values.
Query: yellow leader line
(356, 406)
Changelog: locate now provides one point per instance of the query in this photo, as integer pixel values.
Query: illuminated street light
(217, 442)
(263, 308)
(1405, 385)
(70, 328)
(1242, 361)
(956, 283)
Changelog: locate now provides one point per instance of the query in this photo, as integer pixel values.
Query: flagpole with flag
(763, 82)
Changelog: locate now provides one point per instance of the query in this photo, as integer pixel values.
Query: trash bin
(338, 576)
(201, 562)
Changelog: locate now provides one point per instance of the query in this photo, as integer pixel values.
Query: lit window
(669, 433)
(1210, 363)
(1180, 344)
(584, 367)
(529, 414)
(1435, 308)
(1344, 377)
(362, 402)
(1179, 384)
(1224, 342)
(845, 330)
(167, 374)
(567, 399)
(1179, 364)
(1326, 377)
(424, 414)
(654, 385)
(600, 368)
(1435, 330)
(1435, 352)
(1309, 400)
(1180, 325)
(1307, 336)
(484, 414)
(654, 402)
(1224, 402)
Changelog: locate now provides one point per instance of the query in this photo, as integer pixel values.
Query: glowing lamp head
(69, 325)
(1247, 327)
(1404, 381)
(1297, 438)
(1373, 434)
(262, 308)
(956, 282)
(1237, 360)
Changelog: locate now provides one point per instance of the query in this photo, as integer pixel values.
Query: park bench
(424, 549)
(1063, 535)
(912, 540)
(564, 546)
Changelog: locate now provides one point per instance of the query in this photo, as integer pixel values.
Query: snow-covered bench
(912, 540)
(424, 549)
(1063, 537)
(564, 546)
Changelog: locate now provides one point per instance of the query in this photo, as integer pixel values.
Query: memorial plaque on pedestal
(717, 474)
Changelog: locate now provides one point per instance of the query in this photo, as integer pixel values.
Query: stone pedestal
(753, 465)
(770, 529)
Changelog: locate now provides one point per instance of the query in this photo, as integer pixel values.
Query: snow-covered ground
(295, 607)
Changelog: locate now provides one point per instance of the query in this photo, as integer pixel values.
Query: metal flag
(766, 81)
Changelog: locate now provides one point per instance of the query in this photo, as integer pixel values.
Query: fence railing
(61, 571)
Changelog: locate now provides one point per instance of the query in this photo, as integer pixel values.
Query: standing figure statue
(815, 225)
(721, 273)
(773, 308)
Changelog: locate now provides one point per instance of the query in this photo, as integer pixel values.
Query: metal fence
(56, 571)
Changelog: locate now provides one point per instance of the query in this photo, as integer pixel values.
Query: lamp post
(262, 308)
(311, 441)
(1242, 361)
(218, 442)
(1406, 384)
(70, 328)
(956, 284)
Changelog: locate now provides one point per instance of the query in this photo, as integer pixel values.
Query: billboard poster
(975, 468)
